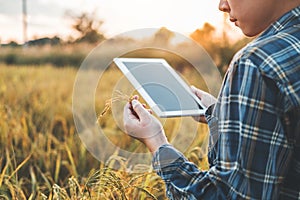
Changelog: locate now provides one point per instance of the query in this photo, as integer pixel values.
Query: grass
(57, 55)
(42, 155)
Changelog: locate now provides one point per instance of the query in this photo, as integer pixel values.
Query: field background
(42, 156)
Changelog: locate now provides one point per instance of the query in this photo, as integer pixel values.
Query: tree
(220, 48)
(88, 27)
(163, 37)
(204, 36)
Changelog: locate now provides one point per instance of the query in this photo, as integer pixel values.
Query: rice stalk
(111, 162)
(4, 197)
(19, 192)
(44, 177)
(108, 103)
(59, 193)
(57, 167)
(71, 159)
(11, 189)
(33, 183)
(140, 184)
(146, 182)
(20, 166)
(4, 169)
(25, 131)
(145, 191)
(110, 180)
(74, 188)
(44, 197)
(92, 180)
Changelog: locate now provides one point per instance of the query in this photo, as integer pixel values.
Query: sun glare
(118, 16)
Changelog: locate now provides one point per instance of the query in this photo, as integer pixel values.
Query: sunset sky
(48, 17)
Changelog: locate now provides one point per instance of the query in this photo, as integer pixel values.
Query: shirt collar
(289, 19)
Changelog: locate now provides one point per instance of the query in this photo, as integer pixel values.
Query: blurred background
(42, 45)
(44, 24)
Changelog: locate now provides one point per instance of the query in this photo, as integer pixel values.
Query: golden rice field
(42, 156)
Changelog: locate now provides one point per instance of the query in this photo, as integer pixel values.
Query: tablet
(167, 94)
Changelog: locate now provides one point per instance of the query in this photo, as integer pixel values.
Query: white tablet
(167, 94)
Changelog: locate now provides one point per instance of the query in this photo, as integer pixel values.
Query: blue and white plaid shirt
(254, 150)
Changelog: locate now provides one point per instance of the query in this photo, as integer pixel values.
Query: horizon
(47, 18)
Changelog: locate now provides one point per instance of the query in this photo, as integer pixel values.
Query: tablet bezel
(160, 113)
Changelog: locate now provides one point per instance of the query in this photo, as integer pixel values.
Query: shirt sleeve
(251, 153)
(183, 179)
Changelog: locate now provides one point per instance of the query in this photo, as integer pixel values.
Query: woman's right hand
(140, 124)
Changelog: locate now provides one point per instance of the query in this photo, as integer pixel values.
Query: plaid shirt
(254, 150)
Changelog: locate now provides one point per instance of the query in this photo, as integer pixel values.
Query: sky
(48, 17)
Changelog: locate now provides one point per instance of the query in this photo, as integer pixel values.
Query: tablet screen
(161, 87)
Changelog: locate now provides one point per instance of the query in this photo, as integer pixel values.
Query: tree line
(89, 30)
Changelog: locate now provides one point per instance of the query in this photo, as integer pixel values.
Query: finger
(128, 114)
(136, 97)
(132, 111)
(194, 89)
(201, 119)
(199, 93)
(142, 113)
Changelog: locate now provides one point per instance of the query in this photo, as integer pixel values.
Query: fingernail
(193, 88)
(134, 102)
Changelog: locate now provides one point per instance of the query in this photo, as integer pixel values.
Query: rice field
(42, 155)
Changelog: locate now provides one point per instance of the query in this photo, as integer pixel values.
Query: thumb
(196, 91)
(142, 113)
(199, 93)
